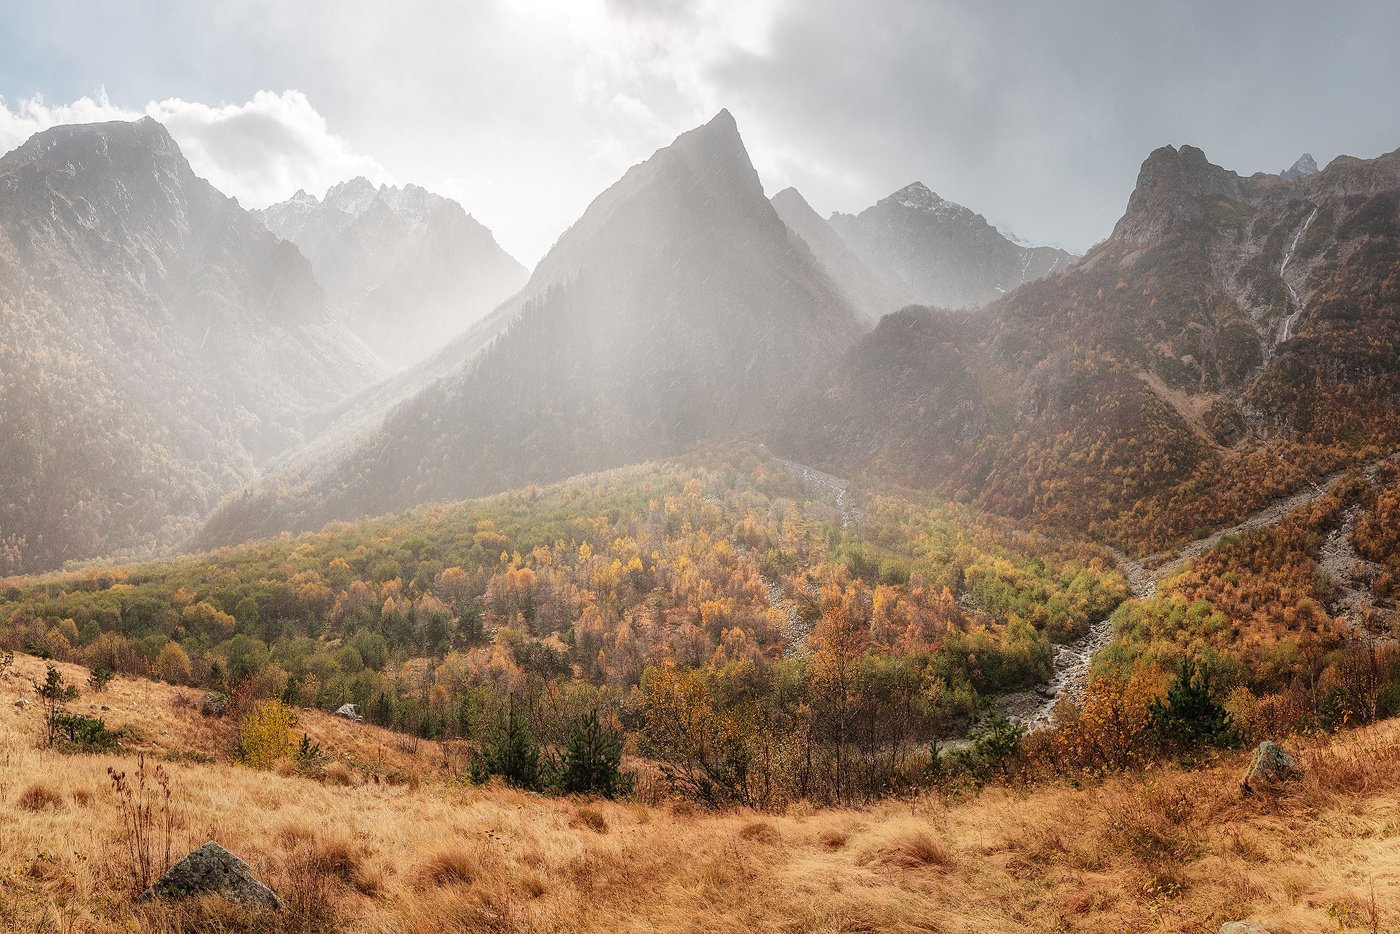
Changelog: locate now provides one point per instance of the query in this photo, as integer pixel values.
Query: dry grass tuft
(833, 839)
(37, 797)
(760, 831)
(285, 768)
(448, 867)
(347, 861)
(906, 843)
(591, 819)
(338, 775)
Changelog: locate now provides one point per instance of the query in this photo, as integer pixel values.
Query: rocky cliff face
(678, 308)
(941, 252)
(158, 344)
(406, 269)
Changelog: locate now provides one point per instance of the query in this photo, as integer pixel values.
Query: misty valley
(736, 568)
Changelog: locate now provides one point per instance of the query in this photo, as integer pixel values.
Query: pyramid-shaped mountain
(678, 308)
(157, 344)
(406, 269)
(940, 252)
(1234, 339)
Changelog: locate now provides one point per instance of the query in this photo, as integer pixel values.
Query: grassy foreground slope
(1162, 850)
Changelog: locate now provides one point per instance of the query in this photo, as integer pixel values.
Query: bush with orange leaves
(1111, 731)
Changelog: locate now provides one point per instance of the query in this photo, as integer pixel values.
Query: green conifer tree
(592, 761)
(1191, 715)
(512, 754)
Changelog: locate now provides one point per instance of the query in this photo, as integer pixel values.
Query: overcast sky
(1036, 114)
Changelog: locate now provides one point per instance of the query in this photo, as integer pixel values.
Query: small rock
(350, 712)
(213, 704)
(1243, 927)
(211, 868)
(105, 707)
(164, 732)
(21, 703)
(1270, 763)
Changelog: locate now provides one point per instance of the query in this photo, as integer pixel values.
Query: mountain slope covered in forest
(157, 345)
(1232, 339)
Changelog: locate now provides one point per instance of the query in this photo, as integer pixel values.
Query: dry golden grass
(1164, 851)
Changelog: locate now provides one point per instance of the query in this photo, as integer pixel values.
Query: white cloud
(259, 152)
(263, 151)
(34, 115)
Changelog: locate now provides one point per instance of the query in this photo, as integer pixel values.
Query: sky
(1036, 114)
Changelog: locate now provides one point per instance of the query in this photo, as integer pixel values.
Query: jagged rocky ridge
(405, 268)
(1232, 339)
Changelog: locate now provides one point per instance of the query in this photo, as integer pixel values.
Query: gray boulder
(212, 704)
(213, 869)
(350, 712)
(1270, 764)
(1243, 927)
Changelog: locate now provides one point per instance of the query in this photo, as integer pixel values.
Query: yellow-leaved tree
(266, 734)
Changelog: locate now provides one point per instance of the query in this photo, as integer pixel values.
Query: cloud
(263, 151)
(33, 115)
(259, 152)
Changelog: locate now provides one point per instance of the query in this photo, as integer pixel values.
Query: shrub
(99, 677)
(85, 734)
(265, 735)
(991, 747)
(1111, 731)
(53, 694)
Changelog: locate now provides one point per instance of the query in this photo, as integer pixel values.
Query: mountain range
(1232, 339)
(942, 253)
(678, 308)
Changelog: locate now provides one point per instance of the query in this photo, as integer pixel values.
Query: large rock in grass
(1270, 764)
(211, 869)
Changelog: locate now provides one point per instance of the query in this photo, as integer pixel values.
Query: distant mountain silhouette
(406, 269)
(864, 289)
(940, 252)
